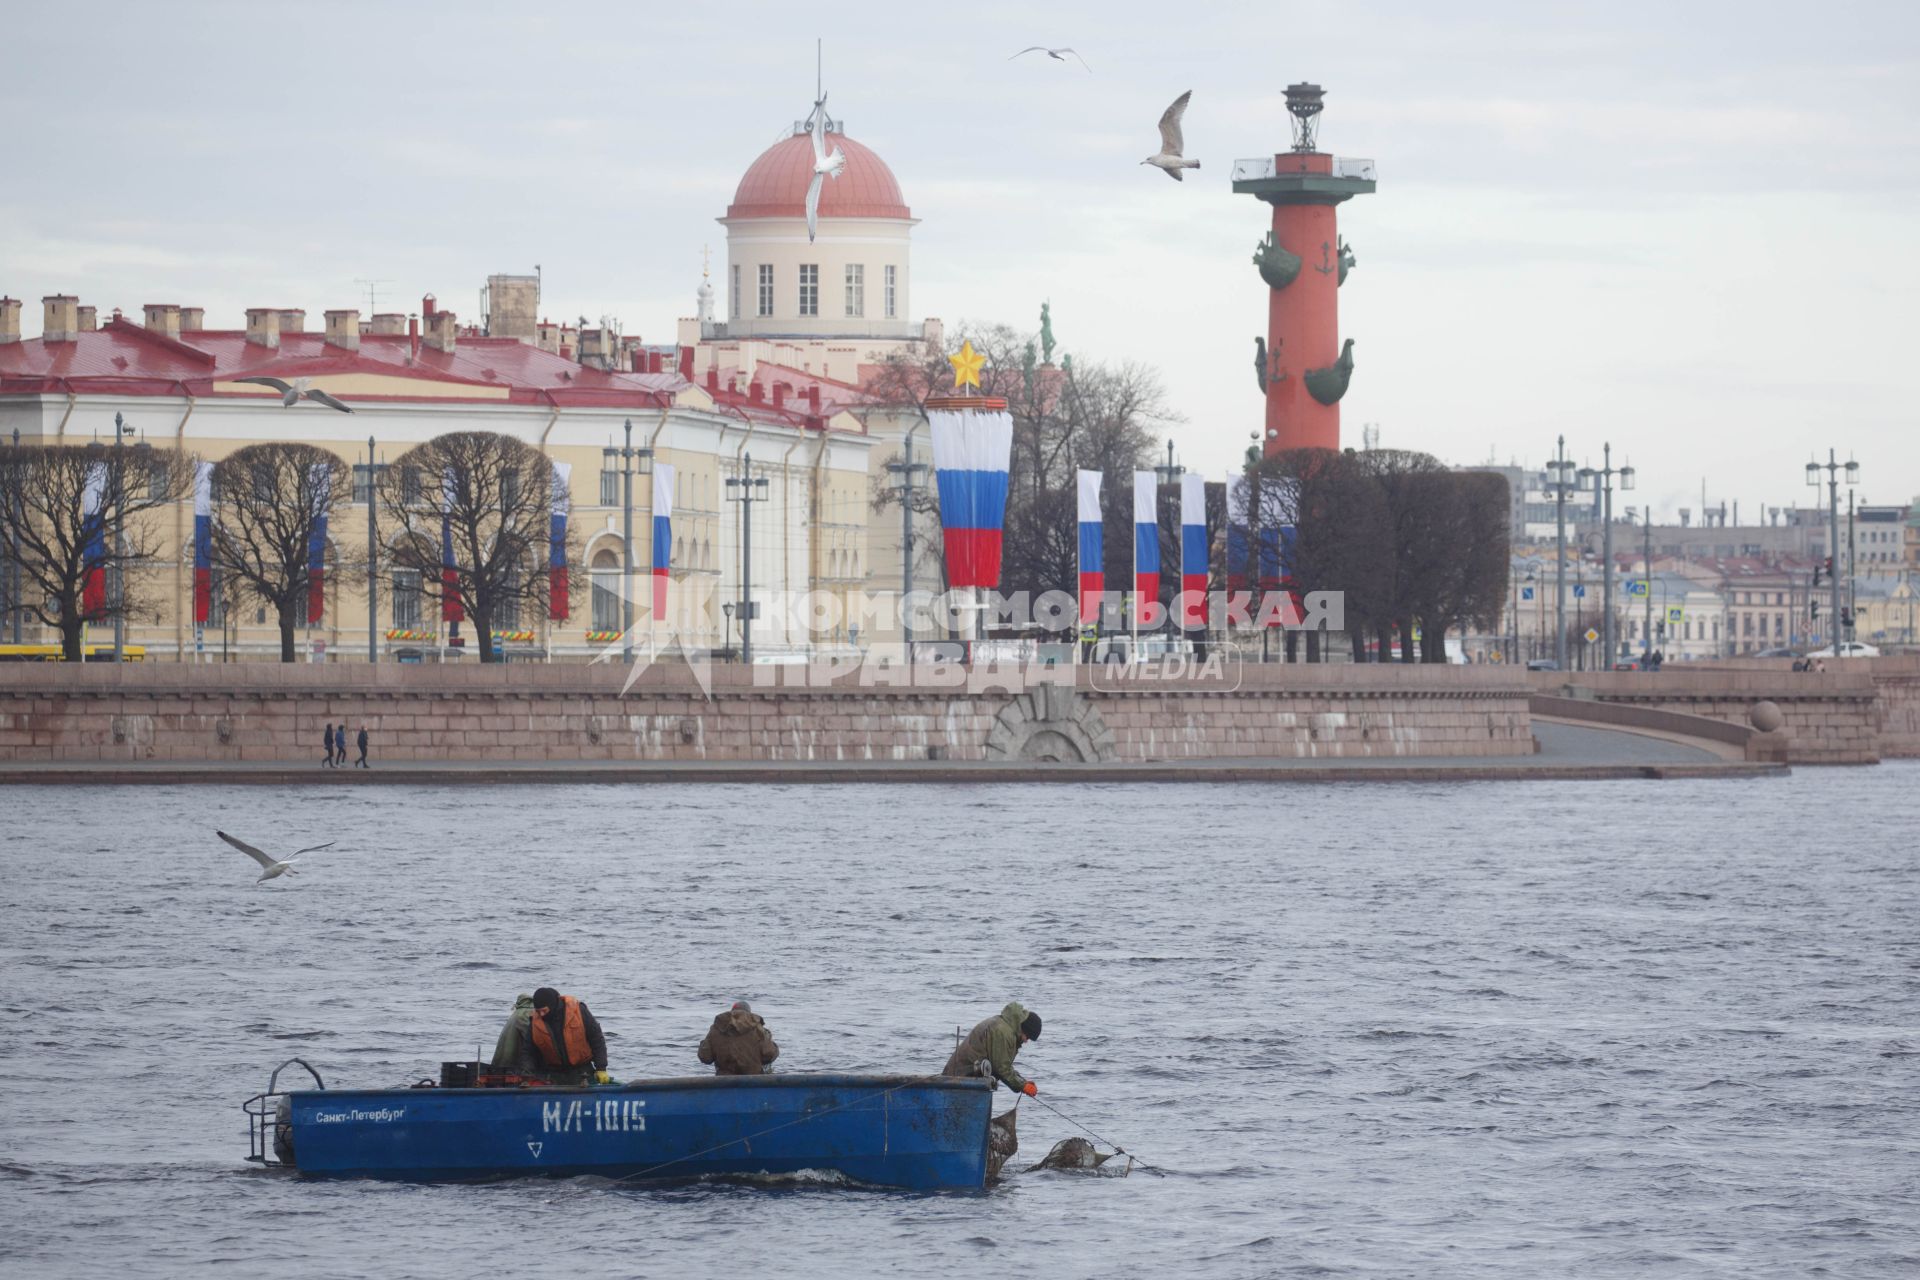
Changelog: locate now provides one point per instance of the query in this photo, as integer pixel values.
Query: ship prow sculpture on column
(1304, 366)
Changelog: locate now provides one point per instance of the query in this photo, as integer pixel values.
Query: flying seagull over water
(273, 866)
(1169, 160)
(292, 393)
(1052, 53)
(826, 164)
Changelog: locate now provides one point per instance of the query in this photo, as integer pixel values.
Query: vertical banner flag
(662, 536)
(1093, 577)
(450, 610)
(562, 506)
(202, 542)
(971, 451)
(320, 478)
(1146, 543)
(1193, 550)
(93, 537)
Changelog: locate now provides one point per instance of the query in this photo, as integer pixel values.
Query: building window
(856, 290)
(362, 485)
(406, 599)
(606, 592)
(733, 312)
(809, 288)
(766, 288)
(890, 292)
(217, 602)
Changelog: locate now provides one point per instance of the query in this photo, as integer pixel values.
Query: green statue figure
(1026, 368)
(1329, 384)
(1046, 333)
(1066, 365)
(1346, 261)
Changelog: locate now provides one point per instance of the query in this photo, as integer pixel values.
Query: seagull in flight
(1169, 160)
(273, 866)
(826, 164)
(1052, 53)
(292, 393)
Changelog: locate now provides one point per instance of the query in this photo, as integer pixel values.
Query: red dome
(776, 184)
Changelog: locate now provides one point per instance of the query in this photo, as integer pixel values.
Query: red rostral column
(1303, 366)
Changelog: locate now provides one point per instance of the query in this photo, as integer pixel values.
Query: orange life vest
(576, 1053)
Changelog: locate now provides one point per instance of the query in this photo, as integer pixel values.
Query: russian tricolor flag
(320, 483)
(450, 610)
(1146, 544)
(971, 451)
(202, 542)
(1193, 550)
(562, 506)
(93, 532)
(1093, 577)
(662, 535)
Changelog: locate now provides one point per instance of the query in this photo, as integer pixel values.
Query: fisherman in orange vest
(557, 1038)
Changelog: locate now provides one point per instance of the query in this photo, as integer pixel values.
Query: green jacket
(993, 1042)
(513, 1051)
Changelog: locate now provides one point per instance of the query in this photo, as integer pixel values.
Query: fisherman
(553, 1037)
(739, 1044)
(989, 1048)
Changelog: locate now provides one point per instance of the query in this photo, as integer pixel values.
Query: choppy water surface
(1471, 1029)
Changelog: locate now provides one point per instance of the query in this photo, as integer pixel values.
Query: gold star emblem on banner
(967, 366)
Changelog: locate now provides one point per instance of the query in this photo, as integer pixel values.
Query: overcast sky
(1690, 228)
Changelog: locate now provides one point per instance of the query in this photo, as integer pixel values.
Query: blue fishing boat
(915, 1133)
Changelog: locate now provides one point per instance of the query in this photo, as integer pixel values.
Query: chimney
(1686, 517)
(713, 380)
(546, 336)
(753, 392)
(293, 320)
(413, 338)
(61, 317)
(388, 323)
(442, 331)
(263, 326)
(343, 330)
(193, 319)
(162, 318)
(428, 305)
(9, 321)
(685, 368)
(89, 319)
(813, 399)
(779, 395)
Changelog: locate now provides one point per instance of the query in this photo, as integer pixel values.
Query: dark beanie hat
(1031, 1027)
(546, 998)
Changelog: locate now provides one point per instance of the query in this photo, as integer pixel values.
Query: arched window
(605, 571)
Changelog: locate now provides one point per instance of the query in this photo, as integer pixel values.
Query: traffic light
(1846, 616)
(1813, 610)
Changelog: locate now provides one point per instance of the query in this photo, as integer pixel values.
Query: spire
(704, 293)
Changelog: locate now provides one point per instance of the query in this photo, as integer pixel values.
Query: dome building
(828, 305)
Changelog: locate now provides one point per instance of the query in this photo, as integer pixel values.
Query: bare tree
(486, 499)
(273, 500)
(75, 518)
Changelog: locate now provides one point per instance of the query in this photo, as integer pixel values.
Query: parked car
(1542, 664)
(1782, 652)
(1851, 649)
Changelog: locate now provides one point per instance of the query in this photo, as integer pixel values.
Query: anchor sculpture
(1277, 267)
(1329, 384)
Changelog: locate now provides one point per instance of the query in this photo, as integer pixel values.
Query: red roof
(123, 358)
(796, 409)
(775, 186)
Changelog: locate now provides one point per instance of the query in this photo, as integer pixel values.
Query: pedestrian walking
(361, 741)
(327, 759)
(340, 744)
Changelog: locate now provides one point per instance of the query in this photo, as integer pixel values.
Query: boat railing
(269, 1121)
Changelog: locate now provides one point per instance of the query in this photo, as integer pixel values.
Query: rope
(1132, 1159)
(721, 1146)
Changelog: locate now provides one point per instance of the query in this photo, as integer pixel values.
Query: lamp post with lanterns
(746, 489)
(1602, 478)
(1560, 483)
(631, 461)
(1833, 467)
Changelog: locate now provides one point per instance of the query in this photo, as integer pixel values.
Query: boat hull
(909, 1132)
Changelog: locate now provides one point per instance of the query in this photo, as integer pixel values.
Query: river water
(1472, 1029)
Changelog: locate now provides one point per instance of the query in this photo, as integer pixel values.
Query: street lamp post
(1558, 467)
(368, 473)
(1169, 473)
(906, 470)
(1833, 467)
(628, 456)
(746, 489)
(14, 581)
(1603, 478)
(727, 609)
(1646, 637)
